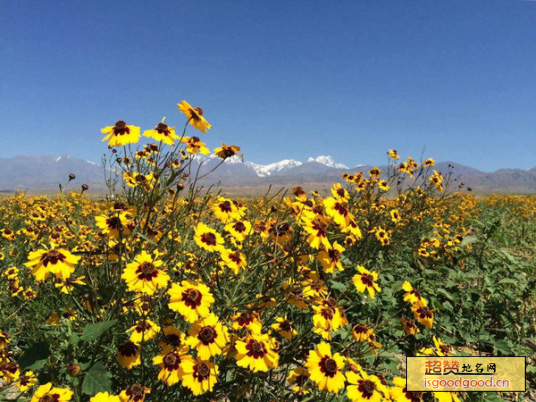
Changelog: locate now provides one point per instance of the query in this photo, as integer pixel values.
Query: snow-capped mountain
(268, 170)
(328, 161)
(40, 173)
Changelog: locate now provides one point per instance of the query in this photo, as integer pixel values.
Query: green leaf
(469, 240)
(94, 331)
(35, 357)
(97, 379)
(338, 286)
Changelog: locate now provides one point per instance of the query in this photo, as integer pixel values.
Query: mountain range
(44, 173)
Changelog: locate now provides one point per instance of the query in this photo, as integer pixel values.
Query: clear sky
(281, 79)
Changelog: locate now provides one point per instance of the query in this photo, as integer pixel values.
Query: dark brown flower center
(367, 279)
(136, 391)
(192, 297)
(147, 271)
(49, 398)
(114, 223)
(209, 239)
(207, 335)
(328, 366)
(235, 257)
(226, 206)
(163, 129)
(255, 349)
(360, 329)
(424, 312)
(121, 128)
(341, 208)
(173, 339)
(367, 388)
(201, 371)
(285, 325)
(245, 319)
(327, 313)
(171, 361)
(334, 255)
(198, 110)
(52, 257)
(128, 349)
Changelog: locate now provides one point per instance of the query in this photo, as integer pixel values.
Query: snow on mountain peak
(328, 161)
(267, 170)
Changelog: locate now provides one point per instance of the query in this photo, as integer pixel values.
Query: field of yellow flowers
(166, 292)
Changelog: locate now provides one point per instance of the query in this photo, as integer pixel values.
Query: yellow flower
(162, 132)
(284, 328)
(199, 376)
(239, 230)
(446, 397)
(190, 299)
(48, 393)
(412, 295)
(208, 336)
(423, 314)
(226, 151)
(316, 226)
(226, 210)
(428, 162)
(331, 258)
(143, 331)
(134, 393)
(395, 216)
(410, 327)
(442, 348)
(10, 371)
(338, 210)
(115, 223)
(195, 116)
(171, 364)
(195, 145)
(26, 381)
(339, 192)
(207, 238)
(128, 355)
(234, 260)
(120, 134)
(144, 274)
(399, 392)
(249, 320)
(299, 377)
(257, 353)
(105, 397)
(366, 281)
(59, 262)
(325, 369)
(393, 154)
(328, 318)
(361, 332)
(365, 387)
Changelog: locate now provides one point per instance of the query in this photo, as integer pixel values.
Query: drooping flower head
(195, 116)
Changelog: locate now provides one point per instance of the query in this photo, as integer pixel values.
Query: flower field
(165, 291)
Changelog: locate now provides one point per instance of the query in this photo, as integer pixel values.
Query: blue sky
(282, 79)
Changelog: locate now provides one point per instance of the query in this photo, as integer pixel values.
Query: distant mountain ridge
(40, 173)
